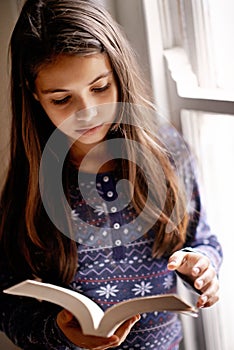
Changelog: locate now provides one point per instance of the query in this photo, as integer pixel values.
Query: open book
(92, 319)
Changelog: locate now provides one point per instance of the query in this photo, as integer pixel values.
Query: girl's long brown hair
(45, 29)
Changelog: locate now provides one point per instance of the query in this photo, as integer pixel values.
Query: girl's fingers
(72, 330)
(205, 278)
(199, 271)
(122, 332)
(125, 328)
(209, 294)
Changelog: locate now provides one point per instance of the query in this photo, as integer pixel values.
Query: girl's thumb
(66, 315)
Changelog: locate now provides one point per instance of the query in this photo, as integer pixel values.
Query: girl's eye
(66, 99)
(101, 89)
(62, 101)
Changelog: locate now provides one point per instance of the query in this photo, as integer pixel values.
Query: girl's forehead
(67, 60)
(68, 69)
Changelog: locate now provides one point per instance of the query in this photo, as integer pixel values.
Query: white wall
(141, 22)
(8, 12)
(7, 19)
(128, 14)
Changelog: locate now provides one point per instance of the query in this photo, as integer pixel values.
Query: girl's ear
(35, 96)
(34, 93)
(31, 90)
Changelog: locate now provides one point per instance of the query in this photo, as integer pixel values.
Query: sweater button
(118, 242)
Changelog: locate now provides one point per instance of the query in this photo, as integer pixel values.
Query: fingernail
(196, 271)
(172, 262)
(65, 315)
(199, 284)
(137, 319)
(204, 299)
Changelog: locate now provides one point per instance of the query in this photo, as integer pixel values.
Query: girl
(74, 75)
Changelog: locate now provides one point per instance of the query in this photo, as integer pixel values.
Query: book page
(91, 317)
(122, 311)
(87, 312)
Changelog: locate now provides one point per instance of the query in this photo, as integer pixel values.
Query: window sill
(186, 81)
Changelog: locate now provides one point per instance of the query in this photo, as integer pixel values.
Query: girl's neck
(92, 158)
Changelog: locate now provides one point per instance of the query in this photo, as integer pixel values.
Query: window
(196, 42)
(204, 29)
(188, 53)
(211, 137)
(222, 28)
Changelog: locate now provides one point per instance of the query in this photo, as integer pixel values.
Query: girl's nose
(86, 109)
(86, 114)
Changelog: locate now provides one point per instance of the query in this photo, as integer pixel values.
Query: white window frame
(190, 81)
(190, 85)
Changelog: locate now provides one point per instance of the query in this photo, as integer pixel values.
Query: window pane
(211, 136)
(222, 26)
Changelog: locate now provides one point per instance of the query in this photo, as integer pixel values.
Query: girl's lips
(88, 130)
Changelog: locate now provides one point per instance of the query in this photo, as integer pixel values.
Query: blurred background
(185, 48)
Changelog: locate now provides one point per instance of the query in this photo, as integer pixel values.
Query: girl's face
(72, 89)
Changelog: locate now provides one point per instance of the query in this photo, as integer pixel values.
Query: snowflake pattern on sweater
(109, 275)
(112, 268)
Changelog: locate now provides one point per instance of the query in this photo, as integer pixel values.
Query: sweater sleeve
(199, 234)
(29, 323)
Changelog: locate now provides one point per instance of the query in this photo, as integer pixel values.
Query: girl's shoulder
(174, 143)
(181, 156)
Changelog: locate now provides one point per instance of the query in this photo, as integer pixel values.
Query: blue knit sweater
(115, 263)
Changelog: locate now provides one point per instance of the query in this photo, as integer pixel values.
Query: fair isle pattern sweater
(111, 273)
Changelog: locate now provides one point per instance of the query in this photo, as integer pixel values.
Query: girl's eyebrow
(101, 76)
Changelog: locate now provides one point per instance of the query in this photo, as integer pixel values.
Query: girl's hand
(198, 270)
(70, 327)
